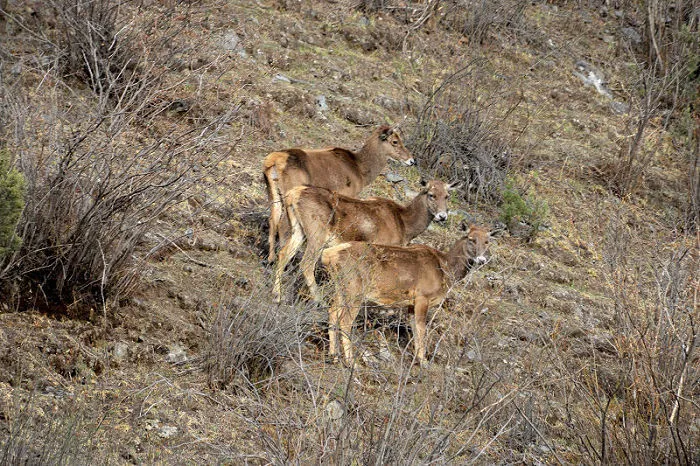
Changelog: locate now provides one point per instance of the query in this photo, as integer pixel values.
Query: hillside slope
(576, 343)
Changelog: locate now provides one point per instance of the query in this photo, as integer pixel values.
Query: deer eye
(394, 142)
(431, 195)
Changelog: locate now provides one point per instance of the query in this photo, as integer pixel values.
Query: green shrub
(523, 215)
(11, 204)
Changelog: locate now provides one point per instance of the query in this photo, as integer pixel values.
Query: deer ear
(386, 132)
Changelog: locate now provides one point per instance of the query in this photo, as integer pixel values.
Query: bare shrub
(91, 197)
(456, 140)
(11, 203)
(666, 68)
(61, 436)
(100, 167)
(392, 417)
(633, 402)
(250, 337)
(475, 19)
(626, 174)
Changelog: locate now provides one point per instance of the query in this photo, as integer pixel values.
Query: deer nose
(441, 216)
(410, 161)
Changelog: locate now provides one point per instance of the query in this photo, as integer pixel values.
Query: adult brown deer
(324, 218)
(416, 276)
(337, 169)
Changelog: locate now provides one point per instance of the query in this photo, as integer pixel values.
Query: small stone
(619, 108)
(120, 351)
(16, 69)
(321, 103)
(392, 177)
(334, 410)
(631, 35)
(281, 78)
(188, 268)
(176, 355)
(608, 39)
(230, 41)
(472, 356)
(167, 431)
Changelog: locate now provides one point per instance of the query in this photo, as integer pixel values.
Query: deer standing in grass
(416, 276)
(324, 218)
(337, 169)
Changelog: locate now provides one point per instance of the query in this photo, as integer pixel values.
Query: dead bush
(250, 337)
(454, 138)
(633, 404)
(92, 192)
(476, 19)
(37, 435)
(101, 165)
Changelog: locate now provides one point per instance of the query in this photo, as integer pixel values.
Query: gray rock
(321, 103)
(392, 177)
(120, 350)
(16, 69)
(176, 355)
(281, 78)
(591, 77)
(619, 108)
(631, 35)
(230, 41)
(167, 431)
(334, 410)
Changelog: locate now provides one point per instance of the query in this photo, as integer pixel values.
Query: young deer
(416, 276)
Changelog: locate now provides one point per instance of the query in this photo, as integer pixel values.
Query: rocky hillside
(137, 322)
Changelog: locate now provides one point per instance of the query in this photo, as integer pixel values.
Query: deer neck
(416, 216)
(369, 161)
(457, 262)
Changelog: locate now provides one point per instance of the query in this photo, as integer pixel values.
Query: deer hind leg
(285, 255)
(276, 210)
(314, 246)
(418, 327)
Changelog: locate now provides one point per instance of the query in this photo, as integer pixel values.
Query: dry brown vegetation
(137, 321)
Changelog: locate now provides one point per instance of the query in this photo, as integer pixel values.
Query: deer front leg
(333, 318)
(347, 317)
(418, 325)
